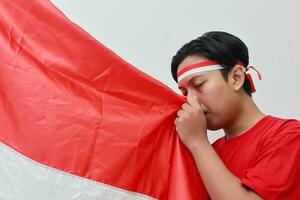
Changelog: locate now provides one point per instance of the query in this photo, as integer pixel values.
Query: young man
(259, 156)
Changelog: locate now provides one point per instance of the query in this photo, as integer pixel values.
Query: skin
(214, 103)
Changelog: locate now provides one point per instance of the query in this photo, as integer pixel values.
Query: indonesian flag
(78, 122)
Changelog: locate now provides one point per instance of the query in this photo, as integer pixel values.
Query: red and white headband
(198, 68)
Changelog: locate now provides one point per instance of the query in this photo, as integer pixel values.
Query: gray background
(148, 33)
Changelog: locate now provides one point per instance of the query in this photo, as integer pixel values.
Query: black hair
(225, 48)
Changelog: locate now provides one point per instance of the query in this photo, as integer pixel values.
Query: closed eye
(198, 86)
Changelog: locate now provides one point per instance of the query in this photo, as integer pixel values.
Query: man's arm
(218, 180)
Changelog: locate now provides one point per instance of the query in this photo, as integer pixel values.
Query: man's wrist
(199, 146)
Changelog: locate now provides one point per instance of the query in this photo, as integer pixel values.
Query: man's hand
(191, 124)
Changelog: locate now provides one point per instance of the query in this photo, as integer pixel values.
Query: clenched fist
(191, 124)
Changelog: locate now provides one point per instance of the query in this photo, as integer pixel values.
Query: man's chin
(213, 127)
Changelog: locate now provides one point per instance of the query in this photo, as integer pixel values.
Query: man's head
(218, 91)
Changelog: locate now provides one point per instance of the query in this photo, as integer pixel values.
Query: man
(259, 156)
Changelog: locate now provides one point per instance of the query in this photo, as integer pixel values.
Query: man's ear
(236, 77)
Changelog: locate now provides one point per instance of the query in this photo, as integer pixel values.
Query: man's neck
(248, 116)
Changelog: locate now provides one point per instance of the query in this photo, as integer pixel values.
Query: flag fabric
(79, 122)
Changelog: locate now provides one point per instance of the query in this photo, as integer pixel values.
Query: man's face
(216, 96)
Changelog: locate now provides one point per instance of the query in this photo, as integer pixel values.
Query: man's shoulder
(274, 124)
(279, 124)
(277, 128)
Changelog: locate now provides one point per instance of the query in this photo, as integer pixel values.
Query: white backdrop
(148, 33)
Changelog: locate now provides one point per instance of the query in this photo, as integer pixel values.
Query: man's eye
(199, 85)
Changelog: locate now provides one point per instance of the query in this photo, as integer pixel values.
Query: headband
(213, 65)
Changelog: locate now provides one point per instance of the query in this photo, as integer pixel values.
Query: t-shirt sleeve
(276, 173)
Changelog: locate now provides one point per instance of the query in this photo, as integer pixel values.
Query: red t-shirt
(266, 158)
